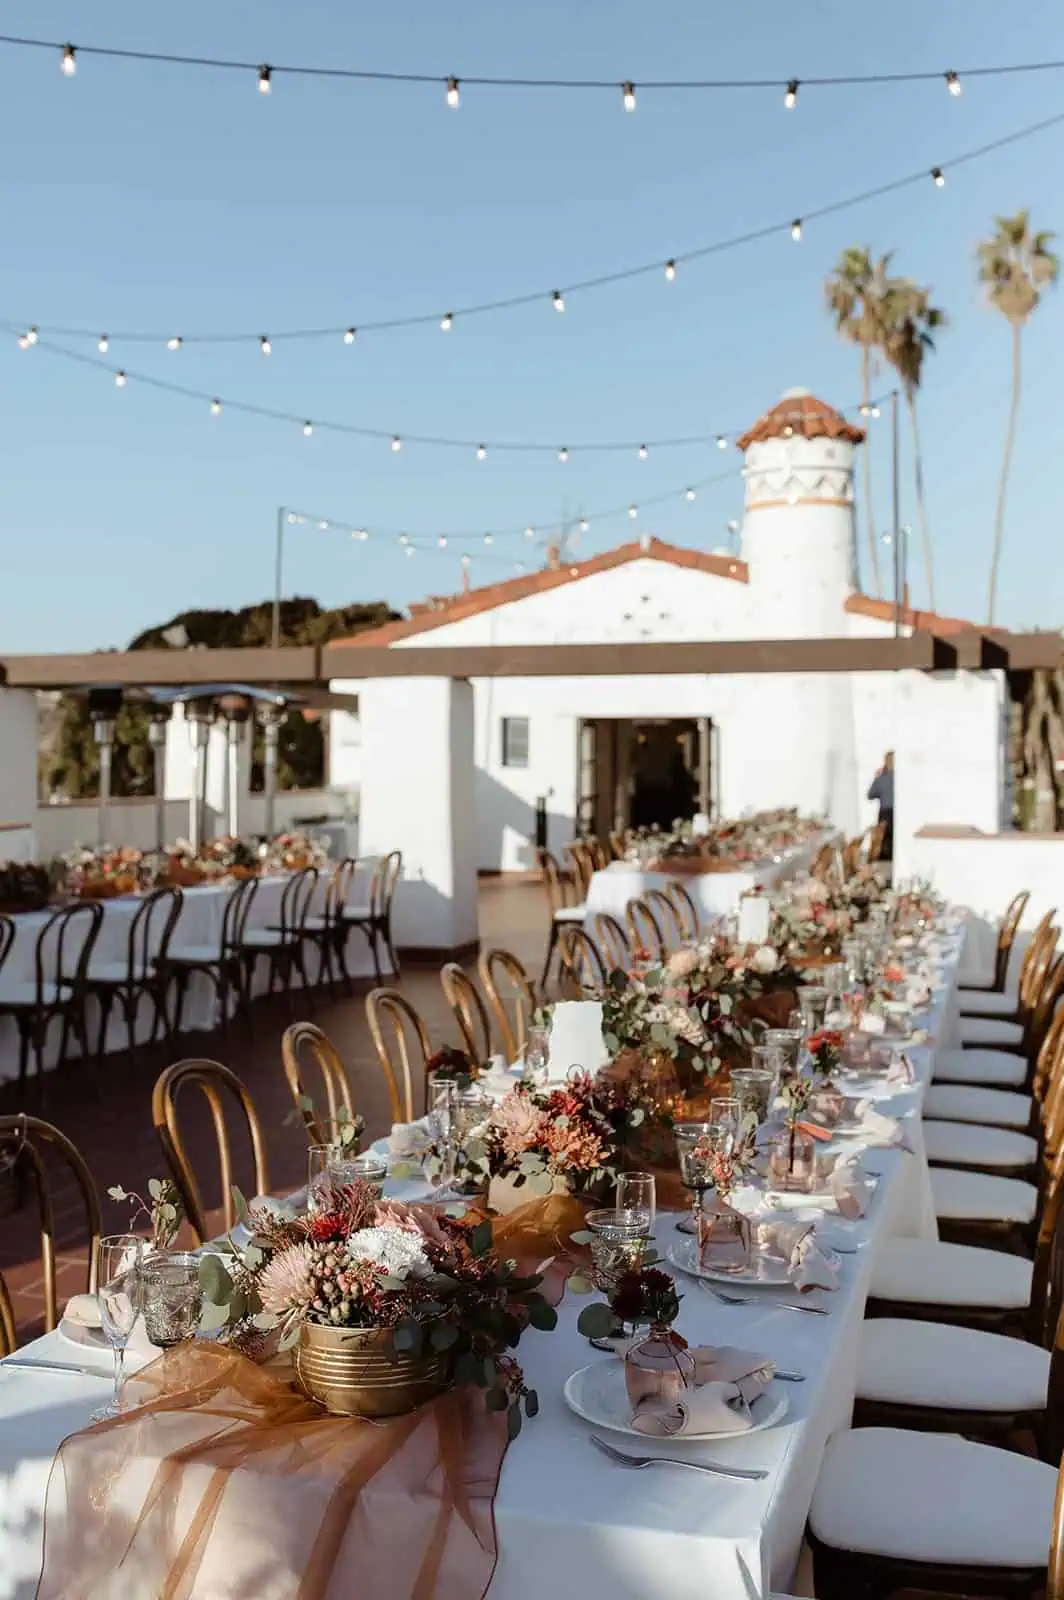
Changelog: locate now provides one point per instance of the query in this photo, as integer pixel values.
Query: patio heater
(272, 717)
(200, 715)
(157, 726)
(236, 711)
(104, 706)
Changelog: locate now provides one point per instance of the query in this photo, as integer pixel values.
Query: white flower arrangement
(399, 1251)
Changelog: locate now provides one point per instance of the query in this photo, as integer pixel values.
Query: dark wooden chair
(141, 976)
(219, 963)
(283, 944)
(57, 991)
(327, 930)
(374, 918)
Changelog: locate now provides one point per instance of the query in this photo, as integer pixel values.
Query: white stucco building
(609, 750)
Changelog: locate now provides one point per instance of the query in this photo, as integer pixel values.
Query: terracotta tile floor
(114, 1130)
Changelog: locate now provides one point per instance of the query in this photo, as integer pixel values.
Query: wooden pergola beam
(309, 670)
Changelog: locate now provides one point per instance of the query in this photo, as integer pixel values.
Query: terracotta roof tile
(501, 594)
(803, 414)
(863, 605)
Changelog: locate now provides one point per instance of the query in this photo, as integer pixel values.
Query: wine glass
(813, 1000)
(537, 1055)
(755, 1086)
(637, 1194)
(118, 1296)
(725, 1115)
(693, 1151)
(170, 1282)
(443, 1126)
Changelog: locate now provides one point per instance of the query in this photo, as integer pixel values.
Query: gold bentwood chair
(581, 865)
(470, 1012)
(1010, 924)
(685, 910)
(823, 862)
(8, 1339)
(513, 1009)
(612, 940)
(666, 916)
(27, 1139)
(212, 1079)
(1016, 1033)
(645, 929)
(298, 1042)
(582, 964)
(1010, 1005)
(563, 912)
(396, 1026)
(616, 845)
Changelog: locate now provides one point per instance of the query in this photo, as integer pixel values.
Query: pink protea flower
(520, 1124)
(285, 1282)
(682, 964)
(413, 1219)
(574, 1147)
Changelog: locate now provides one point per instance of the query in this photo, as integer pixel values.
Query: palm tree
(1016, 265)
(857, 297)
(913, 321)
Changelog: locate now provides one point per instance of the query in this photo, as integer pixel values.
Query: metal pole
(157, 738)
(104, 801)
(194, 836)
(895, 527)
(233, 732)
(271, 730)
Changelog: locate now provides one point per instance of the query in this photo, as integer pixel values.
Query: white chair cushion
(989, 1004)
(990, 1030)
(928, 1272)
(357, 913)
(963, 1144)
(14, 993)
(933, 1497)
(932, 1364)
(115, 972)
(570, 914)
(991, 1067)
(978, 1197)
(263, 939)
(994, 1107)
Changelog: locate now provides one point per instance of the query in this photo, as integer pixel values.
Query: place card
(755, 914)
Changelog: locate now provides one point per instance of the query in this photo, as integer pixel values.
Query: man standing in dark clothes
(882, 789)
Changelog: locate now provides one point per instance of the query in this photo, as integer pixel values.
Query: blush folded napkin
(795, 1242)
(408, 1141)
(727, 1382)
(83, 1310)
(852, 1191)
(900, 1071)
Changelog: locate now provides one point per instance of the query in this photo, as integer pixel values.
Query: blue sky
(158, 197)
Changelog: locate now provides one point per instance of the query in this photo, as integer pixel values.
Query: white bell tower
(798, 526)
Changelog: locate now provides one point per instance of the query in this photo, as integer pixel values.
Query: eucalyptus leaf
(155, 1188)
(513, 1421)
(596, 1321)
(215, 1281)
(239, 1203)
(443, 1335)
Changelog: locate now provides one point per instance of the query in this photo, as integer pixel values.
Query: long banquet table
(715, 893)
(200, 923)
(569, 1522)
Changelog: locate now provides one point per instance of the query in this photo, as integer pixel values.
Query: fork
(757, 1300)
(623, 1459)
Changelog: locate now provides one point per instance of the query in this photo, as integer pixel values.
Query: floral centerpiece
(825, 1048)
(553, 1140)
(384, 1304)
(451, 1064)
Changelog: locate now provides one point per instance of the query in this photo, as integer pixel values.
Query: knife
(50, 1366)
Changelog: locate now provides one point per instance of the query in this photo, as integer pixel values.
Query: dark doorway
(664, 773)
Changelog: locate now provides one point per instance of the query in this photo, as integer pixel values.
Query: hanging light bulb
(939, 177)
(404, 538)
(349, 336)
(488, 539)
(23, 341)
(323, 526)
(628, 90)
(361, 534)
(216, 406)
(174, 343)
(308, 429)
(454, 98)
(397, 444)
(563, 454)
(670, 271)
(265, 75)
(643, 452)
(265, 345)
(466, 560)
(410, 549)
(442, 541)
(558, 300)
(953, 84)
(120, 379)
(584, 524)
(482, 454)
(633, 512)
(689, 494)
(790, 99)
(31, 335)
(69, 63)
(103, 344)
(447, 322)
(796, 229)
(530, 533)
(874, 412)
(722, 443)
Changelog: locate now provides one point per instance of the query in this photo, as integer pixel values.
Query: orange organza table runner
(223, 1482)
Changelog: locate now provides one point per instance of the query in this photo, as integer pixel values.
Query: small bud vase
(658, 1367)
(724, 1238)
(792, 1163)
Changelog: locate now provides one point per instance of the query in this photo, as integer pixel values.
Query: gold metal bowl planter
(354, 1372)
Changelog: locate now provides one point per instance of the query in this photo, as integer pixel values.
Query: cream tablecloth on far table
(568, 1521)
(716, 894)
(200, 923)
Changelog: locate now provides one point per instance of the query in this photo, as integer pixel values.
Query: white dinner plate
(765, 1272)
(598, 1394)
(77, 1333)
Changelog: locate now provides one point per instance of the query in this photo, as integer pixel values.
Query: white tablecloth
(569, 1522)
(200, 923)
(715, 894)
